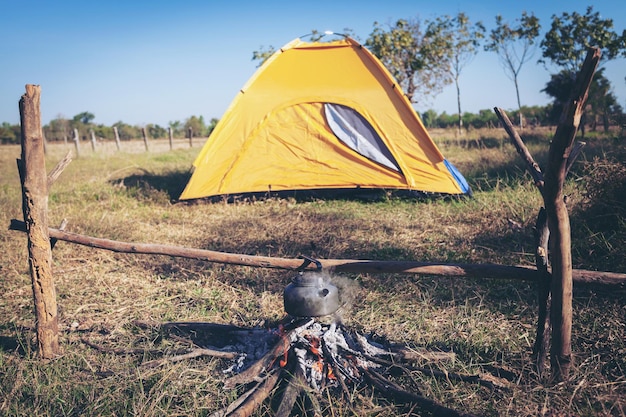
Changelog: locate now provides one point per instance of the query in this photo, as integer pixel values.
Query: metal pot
(310, 294)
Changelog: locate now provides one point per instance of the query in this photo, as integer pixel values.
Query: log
(256, 397)
(35, 208)
(492, 271)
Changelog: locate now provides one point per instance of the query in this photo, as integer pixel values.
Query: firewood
(258, 395)
(265, 363)
(190, 355)
(391, 389)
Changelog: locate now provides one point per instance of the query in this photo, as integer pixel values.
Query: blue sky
(154, 61)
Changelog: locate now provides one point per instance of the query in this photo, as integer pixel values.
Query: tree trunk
(35, 208)
(458, 103)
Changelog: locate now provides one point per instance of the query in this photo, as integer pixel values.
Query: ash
(322, 352)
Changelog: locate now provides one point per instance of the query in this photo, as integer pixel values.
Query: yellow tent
(320, 116)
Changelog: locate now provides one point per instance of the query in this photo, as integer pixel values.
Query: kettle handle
(307, 262)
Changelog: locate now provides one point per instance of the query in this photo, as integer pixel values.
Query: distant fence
(96, 144)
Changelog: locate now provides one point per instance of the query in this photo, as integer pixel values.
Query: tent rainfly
(321, 116)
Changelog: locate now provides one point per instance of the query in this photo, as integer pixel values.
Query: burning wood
(305, 357)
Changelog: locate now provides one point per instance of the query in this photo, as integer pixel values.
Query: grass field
(107, 298)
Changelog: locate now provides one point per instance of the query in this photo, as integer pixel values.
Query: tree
(176, 127)
(571, 35)
(84, 117)
(196, 123)
(58, 128)
(419, 58)
(211, 126)
(514, 45)
(126, 131)
(464, 40)
(10, 133)
(601, 106)
(263, 54)
(429, 118)
(566, 44)
(156, 131)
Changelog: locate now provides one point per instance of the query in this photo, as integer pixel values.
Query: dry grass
(128, 196)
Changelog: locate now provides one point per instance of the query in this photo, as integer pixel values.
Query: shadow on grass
(14, 342)
(149, 185)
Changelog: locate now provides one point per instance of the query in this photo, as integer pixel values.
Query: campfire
(303, 357)
(311, 351)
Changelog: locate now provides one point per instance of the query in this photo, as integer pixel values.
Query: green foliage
(10, 133)
(417, 54)
(84, 118)
(126, 131)
(197, 126)
(263, 54)
(156, 131)
(571, 35)
(602, 107)
(177, 127)
(429, 118)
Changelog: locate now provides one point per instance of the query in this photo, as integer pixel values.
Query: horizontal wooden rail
(494, 271)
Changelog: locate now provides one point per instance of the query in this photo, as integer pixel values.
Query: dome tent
(321, 116)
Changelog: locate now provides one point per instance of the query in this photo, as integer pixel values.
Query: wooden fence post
(76, 142)
(171, 135)
(117, 137)
(557, 298)
(145, 137)
(93, 140)
(190, 134)
(558, 218)
(35, 207)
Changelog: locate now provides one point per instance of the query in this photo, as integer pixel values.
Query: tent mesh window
(355, 132)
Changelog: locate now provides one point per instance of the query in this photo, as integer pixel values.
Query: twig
(190, 355)
(476, 379)
(118, 351)
(408, 354)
